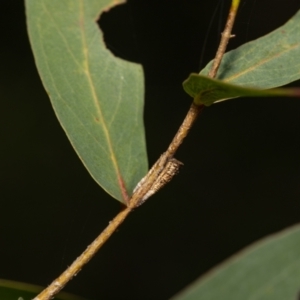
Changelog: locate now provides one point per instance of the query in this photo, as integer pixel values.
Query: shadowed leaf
(267, 270)
(13, 290)
(206, 91)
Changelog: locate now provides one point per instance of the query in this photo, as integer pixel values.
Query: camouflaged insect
(167, 173)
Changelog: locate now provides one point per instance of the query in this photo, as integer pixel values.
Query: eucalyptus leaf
(207, 91)
(267, 270)
(97, 97)
(13, 290)
(270, 61)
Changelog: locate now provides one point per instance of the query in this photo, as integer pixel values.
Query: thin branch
(84, 258)
(226, 35)
(149, 180)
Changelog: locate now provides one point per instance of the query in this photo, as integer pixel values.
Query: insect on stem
(165, 176)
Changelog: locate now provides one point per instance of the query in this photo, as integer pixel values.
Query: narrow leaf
(206, 91)
(13, 290)
(268, 62)
(267, 270)
(97, 97)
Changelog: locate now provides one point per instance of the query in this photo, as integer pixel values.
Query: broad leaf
(270, 61)
(97, 97)
(267, 270)
(206, 91)
(13, 290)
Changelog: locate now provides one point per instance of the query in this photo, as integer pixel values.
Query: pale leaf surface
(97, 97)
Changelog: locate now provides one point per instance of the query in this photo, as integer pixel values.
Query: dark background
(241, 175)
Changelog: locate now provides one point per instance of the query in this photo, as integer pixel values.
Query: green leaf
(267, 270)
(97, 97)
(13, 290)
(268, 62)
(206, 91)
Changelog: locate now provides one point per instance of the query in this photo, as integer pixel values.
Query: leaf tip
(112, 4)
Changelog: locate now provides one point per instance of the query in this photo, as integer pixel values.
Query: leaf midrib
(86, 71)
(96, 100)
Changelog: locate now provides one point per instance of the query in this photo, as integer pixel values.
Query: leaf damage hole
(117, 25)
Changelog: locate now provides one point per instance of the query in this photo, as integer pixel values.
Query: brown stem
(84, 258)
(226, 35)
(184, 129)
(150, 178)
